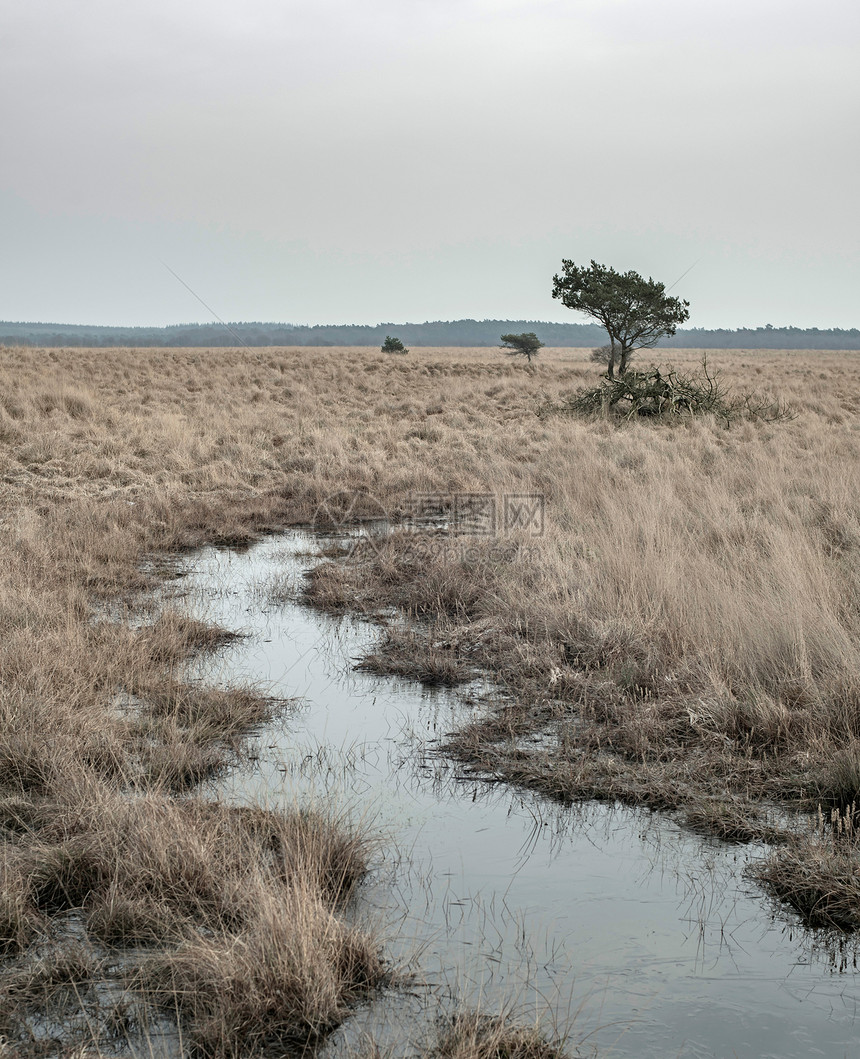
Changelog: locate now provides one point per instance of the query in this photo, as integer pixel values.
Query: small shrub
(668, 393)
(393, 345)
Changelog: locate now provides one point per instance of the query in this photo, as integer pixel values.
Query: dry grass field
(684, 634)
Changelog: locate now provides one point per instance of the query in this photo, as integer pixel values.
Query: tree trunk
(611, 367)
(625, 360)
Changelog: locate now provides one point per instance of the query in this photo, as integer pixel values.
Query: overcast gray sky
(390, 160)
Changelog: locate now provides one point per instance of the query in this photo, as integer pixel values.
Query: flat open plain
(680, 630)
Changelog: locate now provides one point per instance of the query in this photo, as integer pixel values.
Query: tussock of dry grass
(818, 873)
(472, 1035)
(836, 782)
(417, 654)
(287, 979)
(205, 886)
(190, 854)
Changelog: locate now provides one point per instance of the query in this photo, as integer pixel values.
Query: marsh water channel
(639, 938)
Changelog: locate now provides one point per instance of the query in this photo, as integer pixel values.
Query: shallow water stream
(645, 939)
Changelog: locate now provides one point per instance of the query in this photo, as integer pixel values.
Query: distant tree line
(767, 337)
(432, 333)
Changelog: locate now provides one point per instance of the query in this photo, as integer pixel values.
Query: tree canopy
(526, 345)
(393, 345)
(635, 312)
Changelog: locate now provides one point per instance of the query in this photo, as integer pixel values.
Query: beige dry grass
(685, 633)
(817, 873)
(473, 1035)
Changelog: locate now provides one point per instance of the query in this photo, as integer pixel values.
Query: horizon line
(392, 323)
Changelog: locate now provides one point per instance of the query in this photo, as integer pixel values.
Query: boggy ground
(683, 634)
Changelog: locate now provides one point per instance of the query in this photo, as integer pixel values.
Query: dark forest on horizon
(432, 333)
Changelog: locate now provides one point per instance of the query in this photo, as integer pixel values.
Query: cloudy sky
(331, 161)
